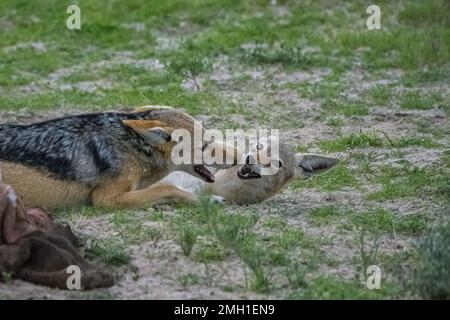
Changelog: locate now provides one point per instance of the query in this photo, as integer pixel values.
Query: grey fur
(83, 148)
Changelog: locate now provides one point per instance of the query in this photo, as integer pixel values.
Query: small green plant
(188, 279)
(235, 233)
(432, 277)
(421, 101)
(381, 94)
(368, 254)
(284, 54)
(187, 239)
(295, 276)
(291, 237)
(324, 215)
(253, 258)
(334, 121)
(154, 234)
(108, 252)
(209, 251)
(189, 65)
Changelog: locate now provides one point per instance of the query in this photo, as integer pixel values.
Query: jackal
(102, 159)
(245, 184)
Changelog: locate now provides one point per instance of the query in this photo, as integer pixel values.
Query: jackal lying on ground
(101, 159)
(244, 184)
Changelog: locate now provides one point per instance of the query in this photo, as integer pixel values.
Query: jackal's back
(76, 148)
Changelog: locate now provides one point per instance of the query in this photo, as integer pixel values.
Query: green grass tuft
(108, 252)
(364, 140)
(405, 181)
(335, 179)
(187, 239)
(381, 220)
(421, 101)
(432, 277)
(324, 215)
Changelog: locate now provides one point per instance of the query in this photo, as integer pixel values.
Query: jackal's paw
(218, 199)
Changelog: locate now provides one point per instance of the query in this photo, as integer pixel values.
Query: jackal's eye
(259, 146)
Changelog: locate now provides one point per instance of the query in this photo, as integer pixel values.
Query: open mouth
(204, 173)
(245, 173)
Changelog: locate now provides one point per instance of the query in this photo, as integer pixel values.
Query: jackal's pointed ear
(148, 108)
(312, 164)
(154, 131)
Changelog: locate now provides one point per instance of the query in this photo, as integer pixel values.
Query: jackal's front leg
(105, 197)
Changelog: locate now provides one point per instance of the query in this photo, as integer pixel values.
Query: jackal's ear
(148, 108)
(154, 131)
(312, 164)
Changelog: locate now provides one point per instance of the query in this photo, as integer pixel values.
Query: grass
(334, 121)
(376, 221)
(189, 279)
(335, 179)
(380, 220)
(235, 233)
(345, 108)
(425, 76)
(330, 90)
(431, 279)
(187, 239)
(107, 28)
(284, 54)
(407, 181)
(368, 253)
(325, 215)
(226, 234)
(331, 288)
(352, 141)
(109, 252)
(364, 140)
(381, 94)
(132, 229)
(189, 65)
(420, 101)
(210, 251)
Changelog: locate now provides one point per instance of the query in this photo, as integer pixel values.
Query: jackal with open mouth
(247, 183)
(102, 159)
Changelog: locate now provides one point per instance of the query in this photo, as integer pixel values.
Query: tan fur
(238, 191)
(39, 190)
(146, 108)
(144, 124)
(110, 196)
(230, 188)
(124, 192)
